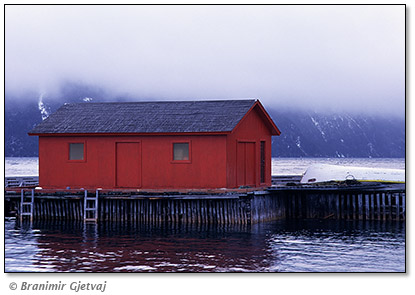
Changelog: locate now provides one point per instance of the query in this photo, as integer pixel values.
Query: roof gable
(146, 117)
(265, 117)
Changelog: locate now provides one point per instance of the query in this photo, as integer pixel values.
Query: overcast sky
(334, 57)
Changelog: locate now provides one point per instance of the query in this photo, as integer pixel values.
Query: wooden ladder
(26, 206)
(90, 207)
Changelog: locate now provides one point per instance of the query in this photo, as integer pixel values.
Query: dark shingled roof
(146, 117)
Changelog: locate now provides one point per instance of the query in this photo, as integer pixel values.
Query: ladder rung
(91, 200)
(26, 213)
(27, 203)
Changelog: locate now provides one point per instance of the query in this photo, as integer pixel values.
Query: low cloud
(321, 57)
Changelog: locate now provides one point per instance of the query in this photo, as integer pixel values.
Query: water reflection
(340, 246)
(293, 246)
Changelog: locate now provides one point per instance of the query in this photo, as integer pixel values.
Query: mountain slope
(303, 134)
(306, 134)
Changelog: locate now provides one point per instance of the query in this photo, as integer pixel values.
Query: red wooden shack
(156, 145)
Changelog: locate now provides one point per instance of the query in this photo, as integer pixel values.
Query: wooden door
(245, 154)
(128, 164)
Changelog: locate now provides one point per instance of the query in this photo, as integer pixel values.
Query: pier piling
(347, 203)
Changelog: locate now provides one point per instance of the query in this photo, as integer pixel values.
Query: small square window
(76, 151)
(181, 151)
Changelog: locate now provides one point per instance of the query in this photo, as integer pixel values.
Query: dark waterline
(280, 246)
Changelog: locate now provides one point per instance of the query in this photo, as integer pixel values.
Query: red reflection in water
(150, 248)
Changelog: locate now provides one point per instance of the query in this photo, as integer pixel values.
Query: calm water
(281, 246)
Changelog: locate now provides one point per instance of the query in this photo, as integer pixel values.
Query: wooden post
(191, 206)
(114, 210)
(360, 205)
(383, 205)
(390, 206)
(230, 211)
(205, 211)
(349, 207)
(119, 209)
(202, 211)
(217, 208)
(217, 211)
(225, 211)
(133, 203)
(378, 204)
(372, 206)
(208, 211)
(355, 206)
(73, 209)
(110, 217)
(237, 211)
(397, 206)
(196, 211)
(244, 211)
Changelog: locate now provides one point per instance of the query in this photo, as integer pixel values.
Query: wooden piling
(398, 214)
(242, 208)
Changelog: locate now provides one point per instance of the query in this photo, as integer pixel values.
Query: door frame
(140, 157)
(255, 160)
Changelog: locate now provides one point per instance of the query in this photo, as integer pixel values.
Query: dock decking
(21, 181)
(32, 181)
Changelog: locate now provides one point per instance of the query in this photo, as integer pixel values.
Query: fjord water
(280, 246)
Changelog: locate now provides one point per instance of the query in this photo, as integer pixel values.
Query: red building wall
(205, 169)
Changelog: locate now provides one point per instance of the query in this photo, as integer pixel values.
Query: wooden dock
(21, 181)
(359, 201)
(226, 208)
(348, 201)
(32, 181)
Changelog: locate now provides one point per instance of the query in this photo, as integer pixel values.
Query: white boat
(325, 173)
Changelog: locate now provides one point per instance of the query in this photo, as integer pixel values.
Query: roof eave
(275, 130)
(132, 134)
